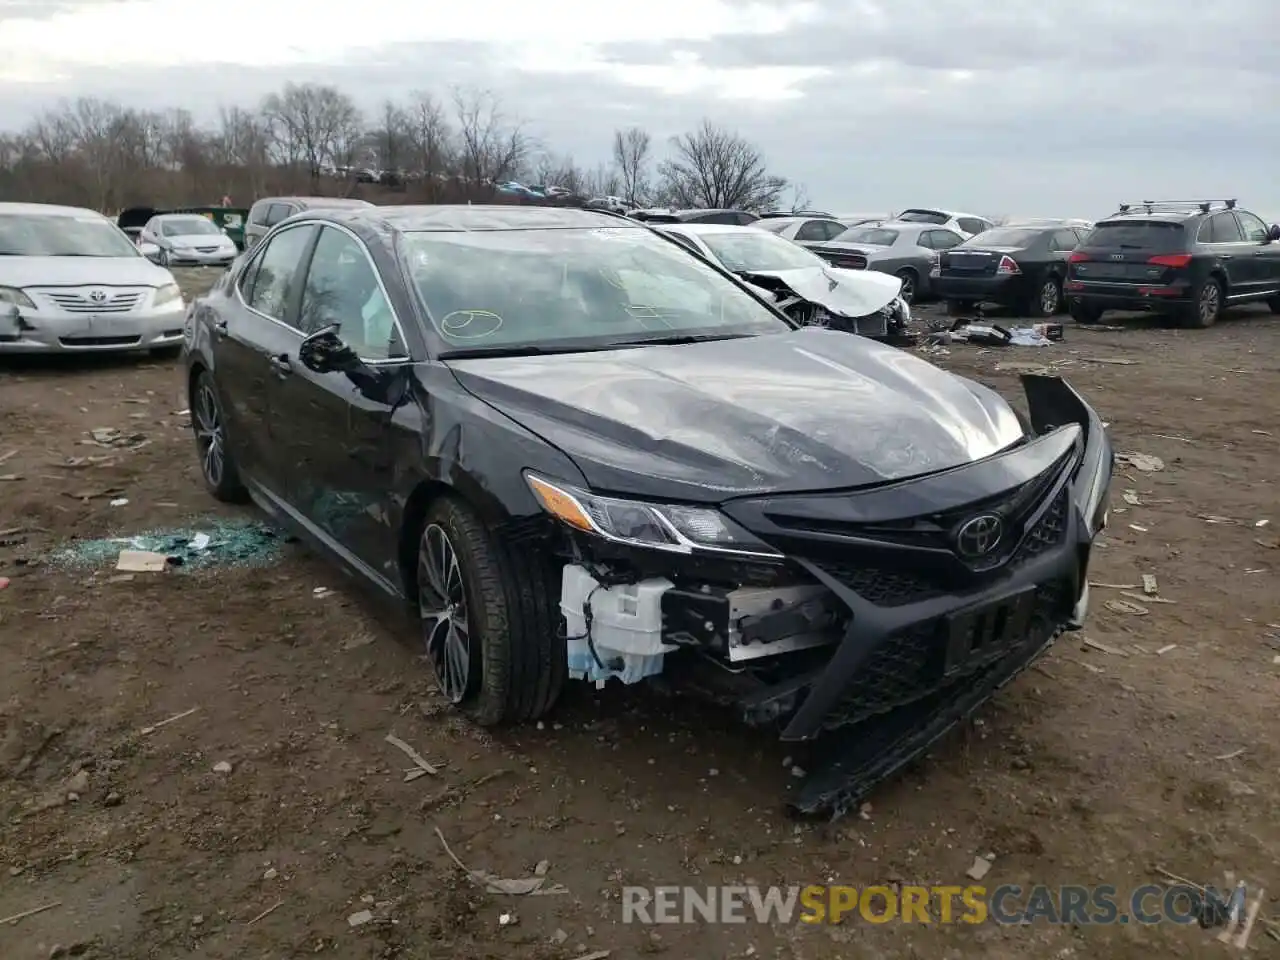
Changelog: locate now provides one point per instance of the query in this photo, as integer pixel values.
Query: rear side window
(813, 231)
(277, 212)
(973, 224)
(1220, 228)
(258, 214)
(1063, 240)
(1158, 235)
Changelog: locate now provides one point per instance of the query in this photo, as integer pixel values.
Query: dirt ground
(1098, 764)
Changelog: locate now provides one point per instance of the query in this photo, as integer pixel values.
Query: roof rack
(1175, 206)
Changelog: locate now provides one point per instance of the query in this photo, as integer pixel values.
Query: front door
(335, 438)
(1263, 255)
(247, 336)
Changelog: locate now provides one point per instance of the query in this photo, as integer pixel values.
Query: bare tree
(311, 124)
(714, 167)
(799, 198)
(430, 138)
(490, 146)
(392, 136)
(632, 154)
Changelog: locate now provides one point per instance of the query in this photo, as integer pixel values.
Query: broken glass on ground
(212, 543)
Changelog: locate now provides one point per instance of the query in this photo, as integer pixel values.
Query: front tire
(910, 284)
(217, 467)
(489, 619)
(163, 258)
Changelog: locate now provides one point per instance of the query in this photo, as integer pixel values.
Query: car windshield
(1002, 237)
(188, 227)
(871, 236)
(753, 250)
(922, 216)
(567, 289)
(42, 235)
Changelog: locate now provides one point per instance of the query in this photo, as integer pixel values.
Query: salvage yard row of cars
(574, 445)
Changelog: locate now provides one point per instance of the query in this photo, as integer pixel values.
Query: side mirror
(326, 352)
(149, 250)
(1274, 233)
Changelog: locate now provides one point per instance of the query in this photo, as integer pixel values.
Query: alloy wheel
(1209, 301)
(442, 604)
(1049, 298)
(209, 437)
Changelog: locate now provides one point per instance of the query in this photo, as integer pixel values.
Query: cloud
(1049, 107)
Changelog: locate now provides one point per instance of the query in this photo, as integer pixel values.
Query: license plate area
(985, 633)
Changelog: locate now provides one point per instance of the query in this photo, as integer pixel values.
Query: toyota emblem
(979, 536)
(98, 296)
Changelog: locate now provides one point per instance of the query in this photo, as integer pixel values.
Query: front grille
(884, 588)
(1048, 531)
(77, 302)
(910, 666)
(99, 341)
(207, 249)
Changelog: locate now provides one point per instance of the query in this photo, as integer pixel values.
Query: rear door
(1264, 255)
(335, 440)
(1221, 237)
(257, 329)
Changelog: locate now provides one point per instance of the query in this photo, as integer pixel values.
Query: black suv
(1184, 259)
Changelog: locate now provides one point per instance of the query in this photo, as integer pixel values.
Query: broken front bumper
(929, 636)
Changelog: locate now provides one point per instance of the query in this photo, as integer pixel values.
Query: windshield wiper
(521, 350)
(680, 338)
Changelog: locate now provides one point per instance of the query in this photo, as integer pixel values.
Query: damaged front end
(863, 623)
(863, 303)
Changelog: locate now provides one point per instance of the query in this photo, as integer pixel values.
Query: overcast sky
(1048, 108)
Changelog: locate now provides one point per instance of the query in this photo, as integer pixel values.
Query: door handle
(281, 365)
(1259, 253)
(1225, 256)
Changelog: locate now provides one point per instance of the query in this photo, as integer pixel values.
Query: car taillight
(1008, 266)
(935, 268)
(1077, 258)
(1171, 260)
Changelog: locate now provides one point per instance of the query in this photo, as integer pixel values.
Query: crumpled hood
(804, 410)
(849, 293)
(72, 271)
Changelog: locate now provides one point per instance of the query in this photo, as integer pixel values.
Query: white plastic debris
(222, 767)
(1141, 461)
(120, 502)
(981, 867)
(200, 542)
(360, 918)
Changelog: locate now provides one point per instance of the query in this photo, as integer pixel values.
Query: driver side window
(342, 289)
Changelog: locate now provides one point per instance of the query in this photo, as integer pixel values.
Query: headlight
(167, 294)
(15, 296)
(669, 527)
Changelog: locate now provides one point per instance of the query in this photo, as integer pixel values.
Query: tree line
(312, 138)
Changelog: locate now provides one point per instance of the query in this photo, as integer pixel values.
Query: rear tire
(515, 661)
(1274, 304)
(1046, 301)
(1206, 307)
(1085, 313)
(217, 467)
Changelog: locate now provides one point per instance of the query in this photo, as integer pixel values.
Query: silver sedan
(70, 280)
(188, 239)
(906, 250)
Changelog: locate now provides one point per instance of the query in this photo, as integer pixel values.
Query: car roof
(455, 218)
(49, 210)
(713, 228)
(180, 216)
(902, 226)
(335, 202)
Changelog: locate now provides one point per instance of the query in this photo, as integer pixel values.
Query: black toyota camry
(570, 449)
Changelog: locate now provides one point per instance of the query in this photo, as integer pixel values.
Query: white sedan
(806, 287)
